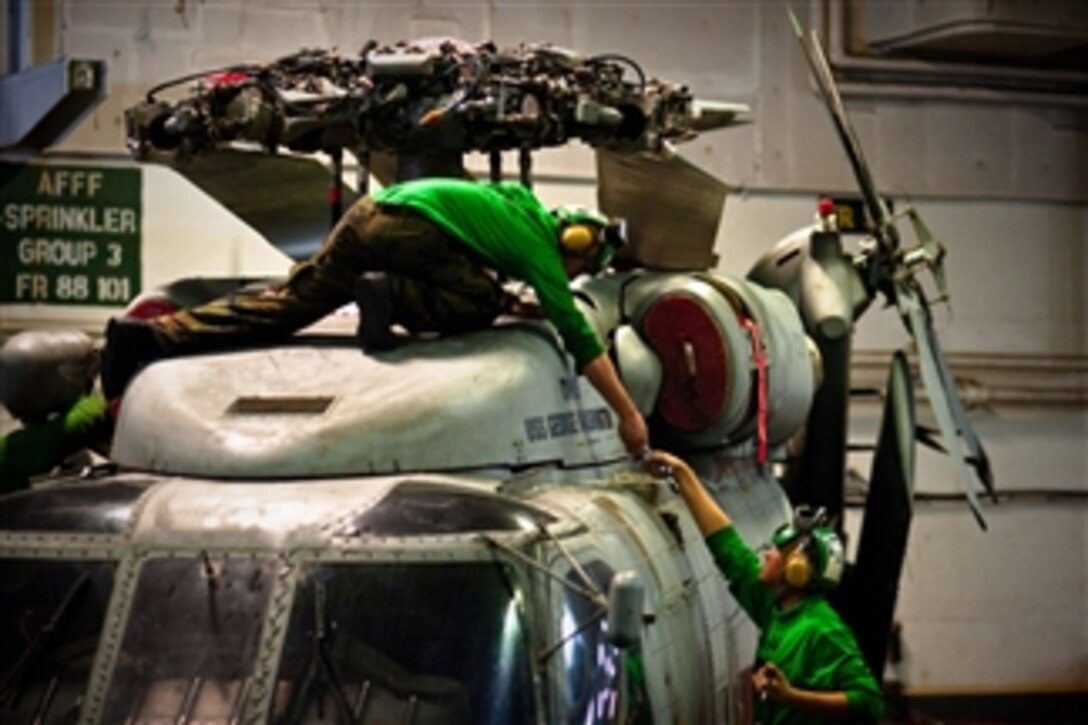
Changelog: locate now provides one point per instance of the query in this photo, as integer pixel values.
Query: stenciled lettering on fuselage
(568, 423)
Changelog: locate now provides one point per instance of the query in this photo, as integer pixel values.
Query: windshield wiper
(320, 663)
(328, 668)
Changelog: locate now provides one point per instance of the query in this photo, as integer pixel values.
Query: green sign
(69, 235)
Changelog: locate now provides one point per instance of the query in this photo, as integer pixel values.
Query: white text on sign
(66, 252)
(34, 287)
(84, 219)
(69, 182)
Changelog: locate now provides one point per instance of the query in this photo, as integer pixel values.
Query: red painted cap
(687, 338)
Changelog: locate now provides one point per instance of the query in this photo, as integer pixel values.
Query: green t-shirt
(807, 641)
(40, 447)
(512, 231)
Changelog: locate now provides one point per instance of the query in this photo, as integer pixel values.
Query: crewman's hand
(526, 310)
(674, 470)
(634, 433)
(662, 464)
(518, 306)
(770, 684)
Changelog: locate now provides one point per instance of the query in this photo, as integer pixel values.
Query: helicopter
(452, 530)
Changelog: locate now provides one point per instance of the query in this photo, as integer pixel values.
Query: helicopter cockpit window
(190, 643)
(592, 666)
(406, 643)
(51, 616)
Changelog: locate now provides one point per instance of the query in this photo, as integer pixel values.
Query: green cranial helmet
(44, 372)
(579, 214)
(820, 544)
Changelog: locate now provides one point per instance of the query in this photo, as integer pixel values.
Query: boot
(375, 300)
(130, 346)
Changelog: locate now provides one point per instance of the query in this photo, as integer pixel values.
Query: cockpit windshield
(51, 615)
(190, 644)
(364, 642)
(439, 643)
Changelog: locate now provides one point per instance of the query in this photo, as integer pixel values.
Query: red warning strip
(760, 357)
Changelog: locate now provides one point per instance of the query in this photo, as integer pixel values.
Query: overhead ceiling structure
(1045, 33)
(1037, 51)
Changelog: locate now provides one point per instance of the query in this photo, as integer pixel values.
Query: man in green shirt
(425, 254)
(808, 665)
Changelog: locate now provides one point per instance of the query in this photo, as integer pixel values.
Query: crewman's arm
(768, 681)
(833, 658)
(602, 374)
(39, 447)
(737, 562)
(709, 516)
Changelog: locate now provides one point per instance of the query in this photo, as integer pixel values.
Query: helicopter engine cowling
(721, 345)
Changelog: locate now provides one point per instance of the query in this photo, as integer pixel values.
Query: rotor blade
(976, 453)
(934, 252)
(283, 197)
(671, 206)
(383, 167)
(868, 601)
(825, 82)
(939, 390)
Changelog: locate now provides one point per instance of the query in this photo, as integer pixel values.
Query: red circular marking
(684, 333)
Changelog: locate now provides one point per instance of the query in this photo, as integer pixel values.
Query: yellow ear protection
(588, 233)
(816, 557)
(578, 238)
(798, 566)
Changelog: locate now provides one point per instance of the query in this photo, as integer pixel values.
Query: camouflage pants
(436, 285)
